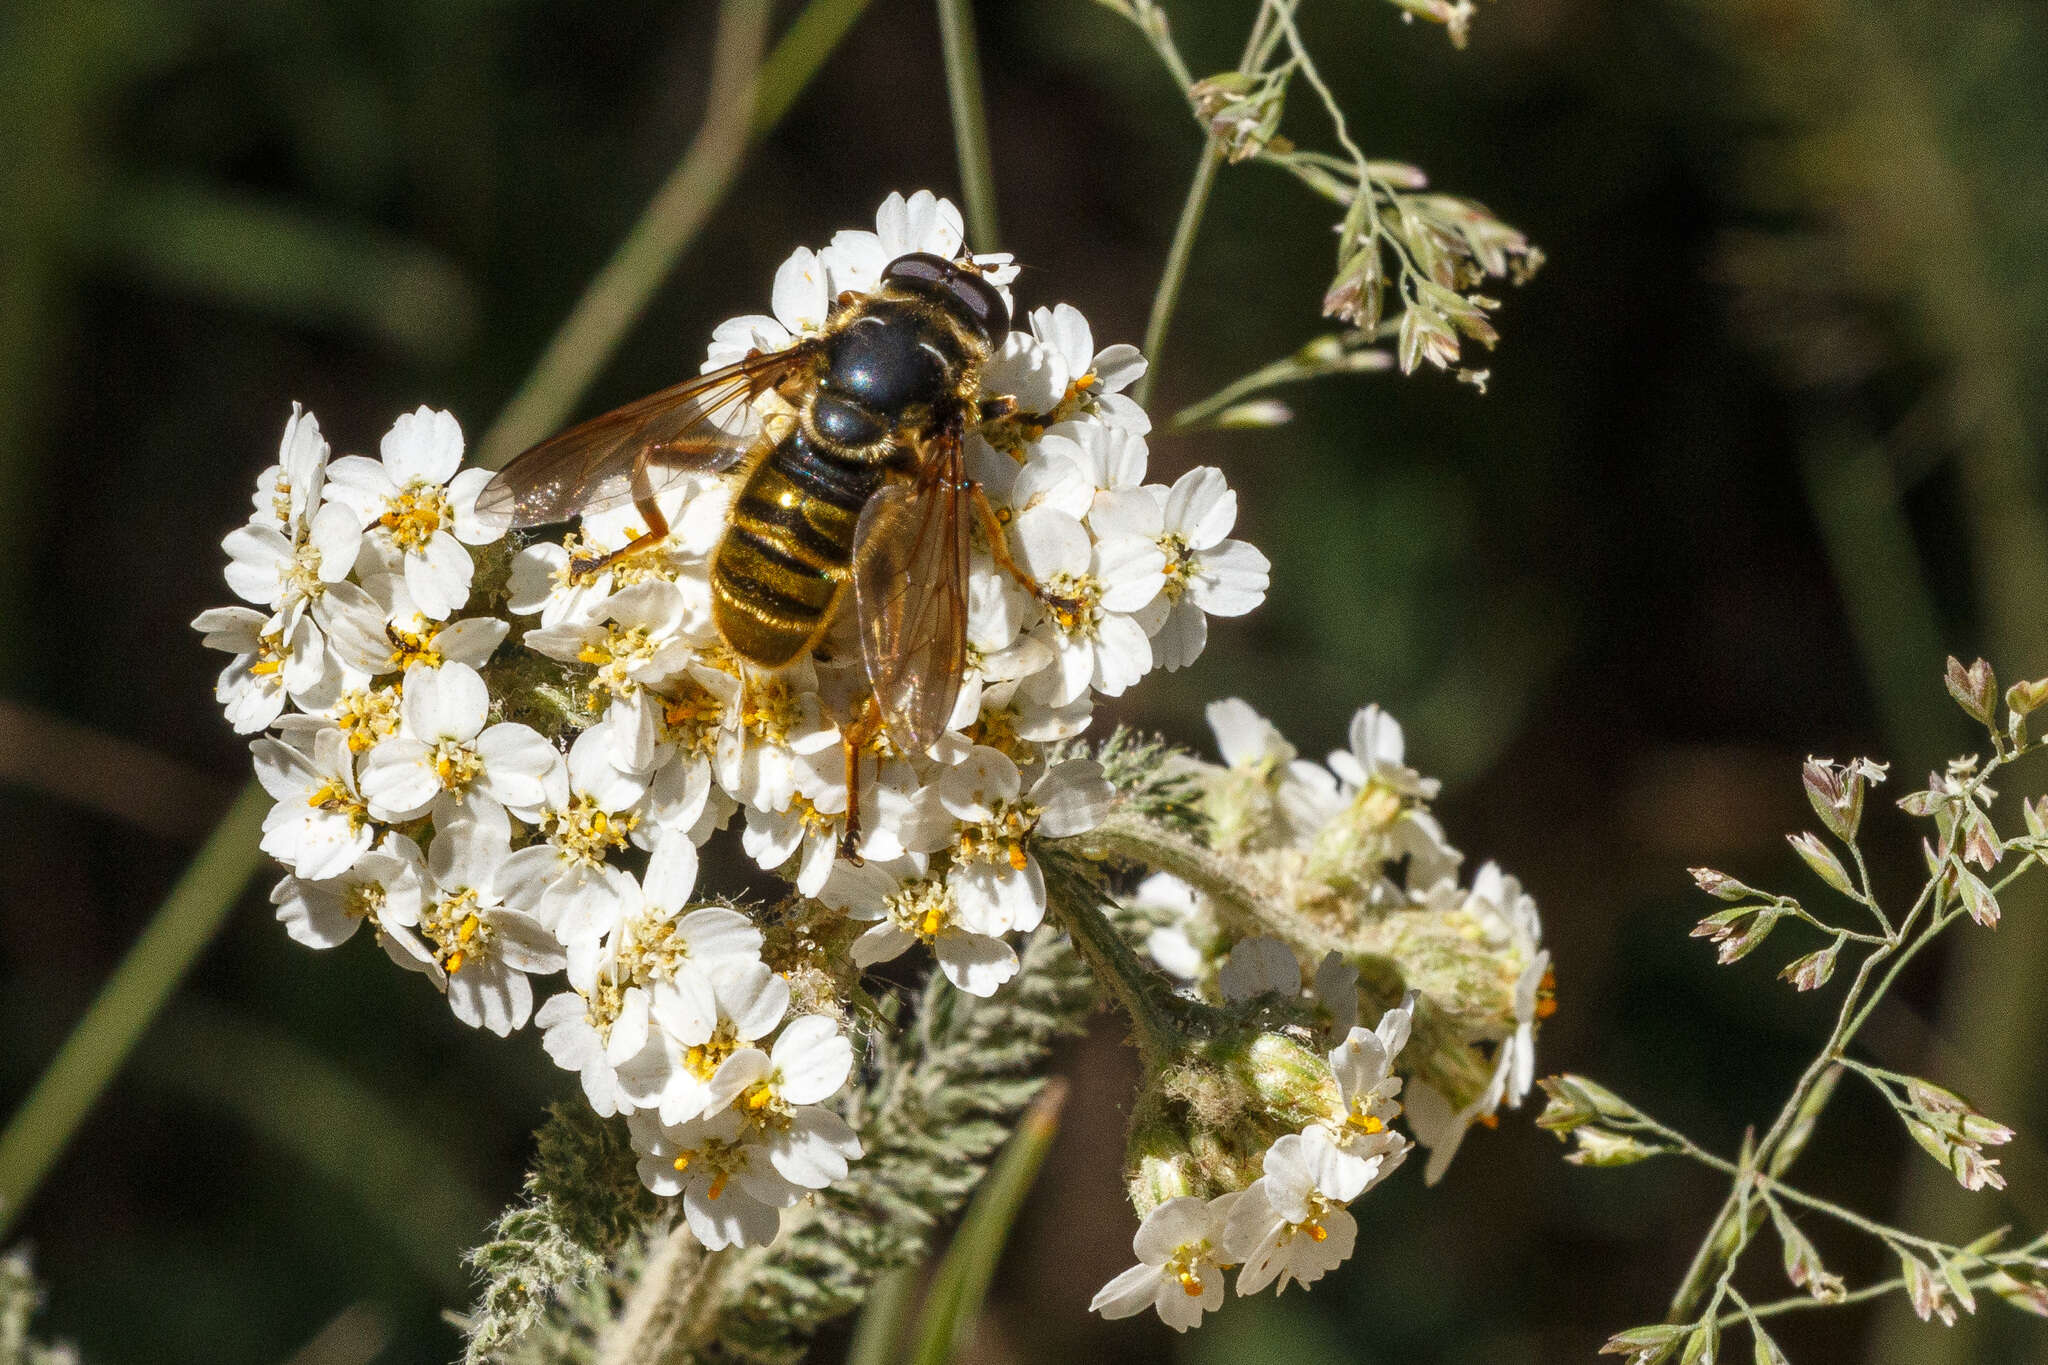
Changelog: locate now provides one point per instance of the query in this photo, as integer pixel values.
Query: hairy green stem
(1113, 964)
(211, 883)
(970, 121)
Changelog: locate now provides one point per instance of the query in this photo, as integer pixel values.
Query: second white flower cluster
(1291, 1224)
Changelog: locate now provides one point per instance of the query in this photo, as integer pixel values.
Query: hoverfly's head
(959, 286)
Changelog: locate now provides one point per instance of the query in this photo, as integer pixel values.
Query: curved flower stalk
(1970, 864)
(505, 772)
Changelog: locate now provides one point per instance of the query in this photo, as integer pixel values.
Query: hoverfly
(867, 490)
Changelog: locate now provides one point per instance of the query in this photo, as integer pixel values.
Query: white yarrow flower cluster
(506, 773)
(1352, 848)
(1354, 842)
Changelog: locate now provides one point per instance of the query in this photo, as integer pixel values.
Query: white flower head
(320, 824)
(1097, 378)
(444, 756)
(1180, 1267)
(293, 548)
(995, 878)
(378, 888)
(1290, 1225)
(485, 949)
(412, 500)
(909, 908)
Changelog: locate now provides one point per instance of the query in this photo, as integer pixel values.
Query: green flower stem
(1286, 370)
(212, 882)
(811, 37)
(1862, 999)
(186, 923)
(1167, 296)
(1777, 1189)
(1130, 836)
(1257, 47)
(970, 121)
(674, 1292)
(1112, 962)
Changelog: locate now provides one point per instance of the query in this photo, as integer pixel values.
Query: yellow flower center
(413, 647)
(769, 709)
(997, 729)
(691, 717)
(1185, 1266)
(587, 832)
(1001, 838)
(622, 649)
(1180, 565)
(270, 654)
(705, 1058)
(331, 795)
(923, 909)
(367, 715)
(456, 764)
(412, 518)
(363, 901)
(1079, 610)
(1377, 805)
(457, 930)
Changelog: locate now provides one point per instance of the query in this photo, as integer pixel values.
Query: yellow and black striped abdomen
(787, 548)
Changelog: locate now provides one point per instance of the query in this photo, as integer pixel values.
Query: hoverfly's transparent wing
(699, 426)
(910, 557)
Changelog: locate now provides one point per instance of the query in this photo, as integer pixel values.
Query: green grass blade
(963, 1278)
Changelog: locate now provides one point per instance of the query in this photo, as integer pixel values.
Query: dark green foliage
(583, 1201)
(566, 1263)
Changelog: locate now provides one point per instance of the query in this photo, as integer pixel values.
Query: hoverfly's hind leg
(650, 513)
(999, 546)
(854, 738)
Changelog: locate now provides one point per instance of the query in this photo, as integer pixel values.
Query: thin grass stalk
(970, 121)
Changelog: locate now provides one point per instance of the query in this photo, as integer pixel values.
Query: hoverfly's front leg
(854, 738)
(650, 513)
(999, 546)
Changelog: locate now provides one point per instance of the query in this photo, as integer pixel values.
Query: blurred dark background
(1762, 445)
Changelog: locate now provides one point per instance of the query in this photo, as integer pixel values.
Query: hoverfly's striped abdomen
(780, 567)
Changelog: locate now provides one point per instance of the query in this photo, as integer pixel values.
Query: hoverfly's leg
(650, 512)
(999, 546)
(852, 740)
(996, 409)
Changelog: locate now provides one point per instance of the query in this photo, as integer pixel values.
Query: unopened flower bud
(1836, 793)
(1293, 1082)
(1602, 1147)
(1975, 688)
(1357, 295)
(1822, 860)
(1259, 412)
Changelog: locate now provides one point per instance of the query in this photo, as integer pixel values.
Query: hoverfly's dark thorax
(889, 359)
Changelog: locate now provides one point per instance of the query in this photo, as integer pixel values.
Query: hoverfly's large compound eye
(919, 268)
(982, 303)
(961, 288)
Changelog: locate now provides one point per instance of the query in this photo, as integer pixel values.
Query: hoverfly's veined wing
(910, 557)
(697, 427)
